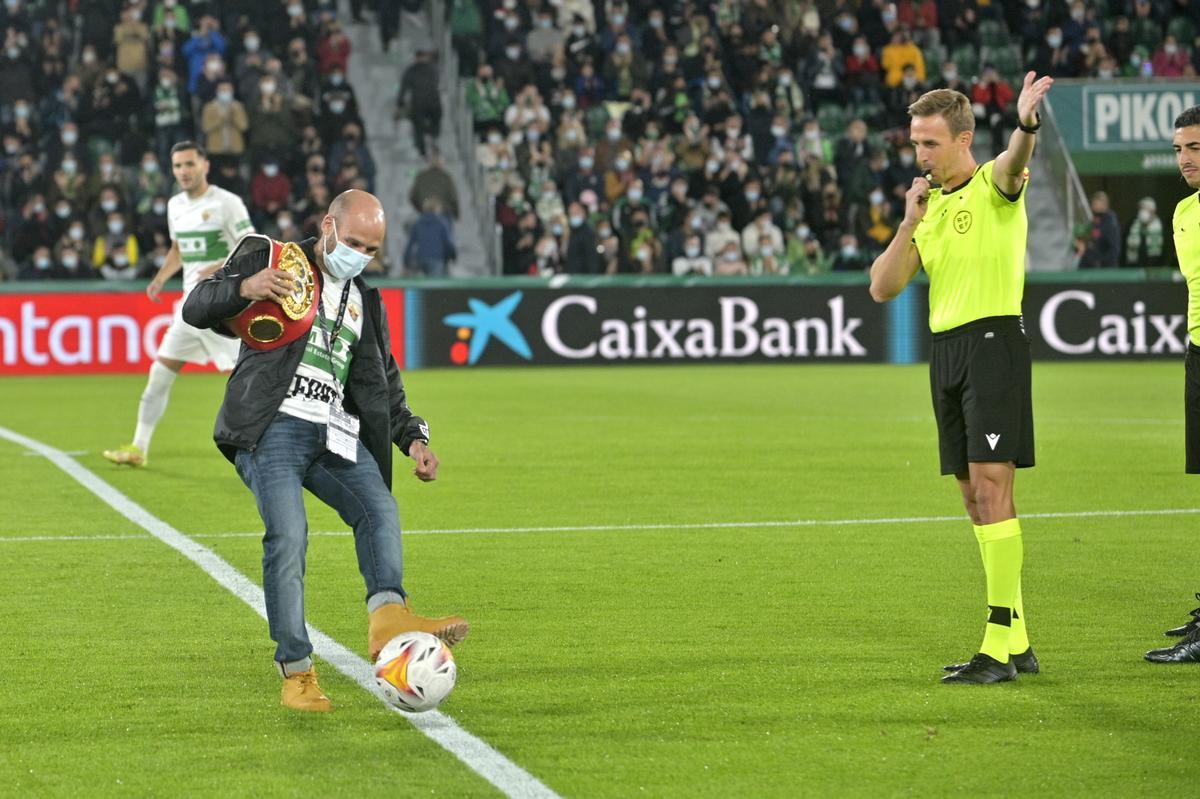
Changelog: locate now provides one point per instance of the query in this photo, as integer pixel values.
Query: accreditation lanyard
(331, 337)
(341, 433)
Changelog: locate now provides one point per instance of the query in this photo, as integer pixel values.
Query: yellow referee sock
(1002, 551)
(1018, 638)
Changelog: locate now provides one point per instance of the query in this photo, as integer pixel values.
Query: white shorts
(193, 345)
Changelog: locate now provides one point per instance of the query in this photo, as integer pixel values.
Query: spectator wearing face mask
(804, 253)
(148, 182)
(992, 101)
(899, 53)
(580, 255)
(692, 261)
(33, 230)
(118, 265)
(630, 207)
(333, 50)
(206, 42)
(170, 15)
(1055, 57)
(850, 258)
(545, 39)
(721, 234)
(116, 247)
(152, 225)
(729, 261)
(351, 147)
(1170, 60)
(75, 238)
(168, 102)
(225, 122)
(1144, 242)
(272, 122)
(298, 68)
(16, 75)
(132, 39)
(72, 266)
(644, 249)
(761, 228)
(767, 258)
(40, 266)
(434, 181)
(487, 98)
(64, 214)
(270, 189)
(879, 221)
(862, 73)
(68, 182)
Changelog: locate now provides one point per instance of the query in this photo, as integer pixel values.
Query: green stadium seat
(935, 56)
(967, 59)
(871, 113)
(993, 33)
(1183, 30)
(832, 118)
(1007, 60)
(1147, 33)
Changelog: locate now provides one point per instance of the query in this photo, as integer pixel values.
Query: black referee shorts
(981, 377)
(1191, 405)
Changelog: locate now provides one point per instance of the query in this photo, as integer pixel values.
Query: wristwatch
(1030, 128)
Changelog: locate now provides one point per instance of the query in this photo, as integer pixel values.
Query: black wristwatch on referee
(1030, 128)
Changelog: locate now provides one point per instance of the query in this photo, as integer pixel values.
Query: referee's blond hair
(951, 105)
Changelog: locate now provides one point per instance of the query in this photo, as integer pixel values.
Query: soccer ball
(415, 672)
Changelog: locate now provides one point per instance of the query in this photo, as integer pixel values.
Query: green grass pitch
(747, 661)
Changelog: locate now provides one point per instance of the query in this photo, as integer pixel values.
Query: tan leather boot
(388, 621)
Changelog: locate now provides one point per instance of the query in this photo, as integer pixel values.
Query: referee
(969, 235)
(1185, 225)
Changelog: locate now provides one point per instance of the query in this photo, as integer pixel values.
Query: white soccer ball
(415, 672)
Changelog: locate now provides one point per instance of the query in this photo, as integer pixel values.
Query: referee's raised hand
(916, 201)
(1032, 92)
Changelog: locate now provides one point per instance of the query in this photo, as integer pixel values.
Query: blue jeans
(291, 455)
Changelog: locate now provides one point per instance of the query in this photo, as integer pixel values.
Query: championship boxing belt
(268, 324)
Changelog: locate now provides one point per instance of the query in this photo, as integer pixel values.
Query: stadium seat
(967, 59)
(935, 56)
(1007, 60)
(992, 33)
(832, 118)
(1183, 30)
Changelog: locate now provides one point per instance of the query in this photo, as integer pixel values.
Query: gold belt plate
(293, 261)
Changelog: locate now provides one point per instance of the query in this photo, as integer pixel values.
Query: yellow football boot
(127, 455)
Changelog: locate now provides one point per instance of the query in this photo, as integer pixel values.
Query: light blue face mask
(345, 262)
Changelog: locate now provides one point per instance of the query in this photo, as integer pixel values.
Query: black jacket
(259, 383)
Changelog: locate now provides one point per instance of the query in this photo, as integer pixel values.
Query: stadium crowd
(759, 137)
(728, 137)
(93, 94)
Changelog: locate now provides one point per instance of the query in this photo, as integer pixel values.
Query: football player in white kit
(205, 222)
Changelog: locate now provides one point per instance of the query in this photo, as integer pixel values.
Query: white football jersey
(206, 229)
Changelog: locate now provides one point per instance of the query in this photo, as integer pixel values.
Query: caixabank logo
(649, 324)
(476, 328)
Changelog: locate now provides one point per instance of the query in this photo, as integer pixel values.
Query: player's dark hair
(189, 145)
(1188, 118)
(951, 105)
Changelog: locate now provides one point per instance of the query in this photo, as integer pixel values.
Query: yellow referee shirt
(972, 245)
(1185, 225)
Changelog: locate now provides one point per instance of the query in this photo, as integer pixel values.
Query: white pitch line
(611, 528)
(480, 757)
